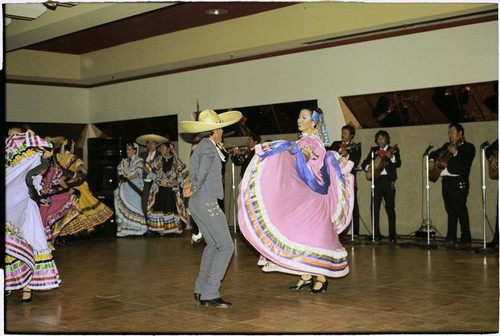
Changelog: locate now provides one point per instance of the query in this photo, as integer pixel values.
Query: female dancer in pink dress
(294, 199)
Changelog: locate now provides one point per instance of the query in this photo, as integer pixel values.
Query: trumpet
(240, 148)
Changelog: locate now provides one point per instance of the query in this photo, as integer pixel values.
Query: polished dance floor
(145, 286)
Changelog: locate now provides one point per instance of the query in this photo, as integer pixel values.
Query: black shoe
(393, 241)
(463, 245)
(449, 244)
(377, 238)
(491, 244)
(323, 288)
(302, 284)
(219, 303)
(197, 296)
(61, 241)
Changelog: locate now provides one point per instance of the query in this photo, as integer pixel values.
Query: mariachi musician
(386, 160)
(452, 162)
(243, 159)
(351, 151)
(491, 154)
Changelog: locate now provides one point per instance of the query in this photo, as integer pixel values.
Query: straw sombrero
(144, 139)
(209, 120)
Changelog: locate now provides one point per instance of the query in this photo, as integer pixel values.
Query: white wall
(459, 55)
(37, 103)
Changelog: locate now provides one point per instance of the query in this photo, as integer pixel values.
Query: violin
(380, 162)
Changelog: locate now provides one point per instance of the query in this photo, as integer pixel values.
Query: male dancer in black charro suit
(455, 179)
(352, 151)
(385, 187)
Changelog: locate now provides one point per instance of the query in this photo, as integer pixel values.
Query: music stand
(373, 241)
(427, 221)
(484, 249)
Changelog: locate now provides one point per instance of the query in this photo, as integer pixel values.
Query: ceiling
(103, 43)
(158, 19)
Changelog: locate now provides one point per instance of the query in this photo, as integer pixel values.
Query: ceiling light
(216, 11)
(52, 5)
(26, 12)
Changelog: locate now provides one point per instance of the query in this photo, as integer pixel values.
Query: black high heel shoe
(26, 297)
(302, 284)
(323, 288)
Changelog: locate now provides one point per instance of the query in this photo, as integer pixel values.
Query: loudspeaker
(104, 155)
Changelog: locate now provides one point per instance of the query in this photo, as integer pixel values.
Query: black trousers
(355, 211)
(385, 189)
(455, 191)
(145, 198)
(494, 241)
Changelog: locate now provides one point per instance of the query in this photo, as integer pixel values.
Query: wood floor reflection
(145, 285)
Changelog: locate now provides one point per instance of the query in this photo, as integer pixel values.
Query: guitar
(440, 163)
(493, 166)
(380, 162)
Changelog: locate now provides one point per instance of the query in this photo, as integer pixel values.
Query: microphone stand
(484, 249)
(428, 222)
(352, 228)
(233, 198)
(353, 240)
(373, 199)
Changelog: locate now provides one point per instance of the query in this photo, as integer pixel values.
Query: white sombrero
(209, 120)
(144, 139)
